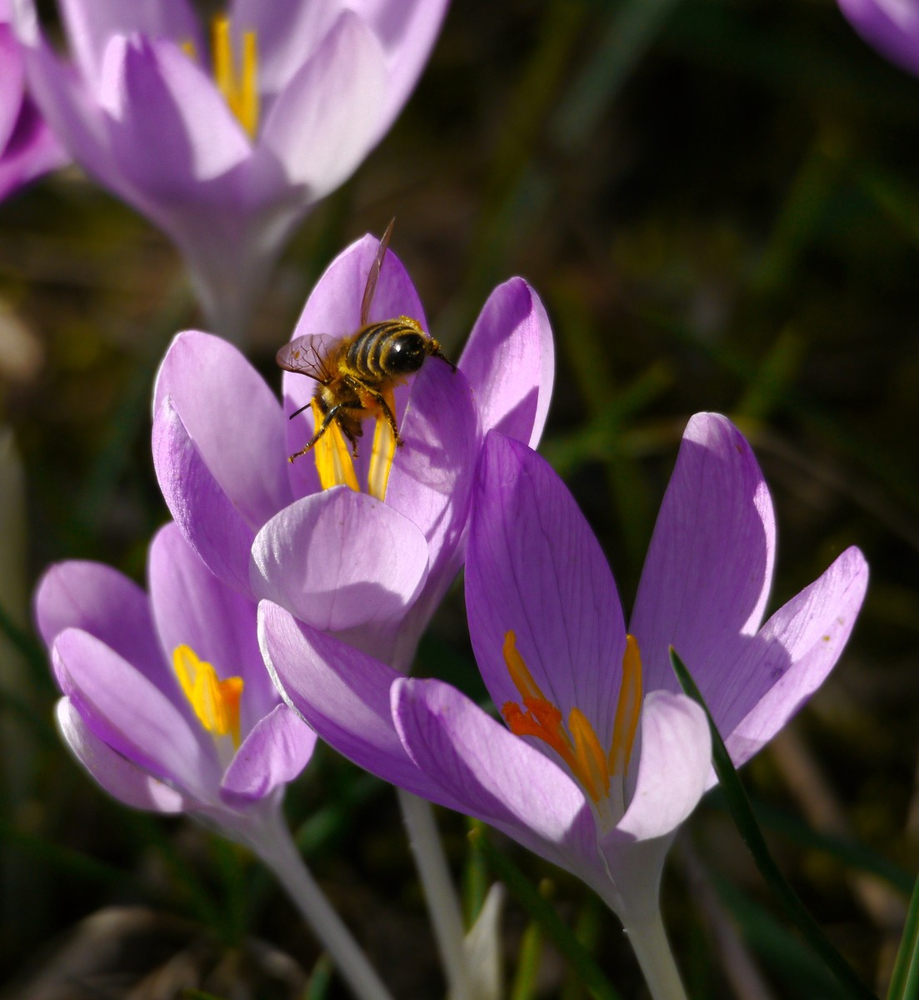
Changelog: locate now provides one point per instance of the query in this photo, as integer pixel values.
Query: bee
(353, 373)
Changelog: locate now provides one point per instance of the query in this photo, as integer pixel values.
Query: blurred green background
(718, 201)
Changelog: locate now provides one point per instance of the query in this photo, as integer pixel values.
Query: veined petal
(789, 658)
(207, 517)
(115, 773)
(494, 775)
(709, 568)
(91, 23)
(326, 119)
(103, 602)
(171, 129)
(534, 567)
(232, 417)
(357, 561)
(132, 715)
(342, 693)
(676, 754)
(890, 26)
(274, 753)
(509, 361)
(193, 608)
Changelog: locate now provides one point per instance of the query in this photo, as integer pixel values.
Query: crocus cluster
(598, 757)
(890, 26)
(28, 148)
(225, 135)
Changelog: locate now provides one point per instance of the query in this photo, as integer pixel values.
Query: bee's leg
(330, 415)
(380, 400)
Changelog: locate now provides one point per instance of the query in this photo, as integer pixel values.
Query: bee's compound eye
(405, 354)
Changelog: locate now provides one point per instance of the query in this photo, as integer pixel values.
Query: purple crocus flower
(600, 757)
(890, 26)
(224, 139)
(28, 148)
(166, 701)
(369, 567)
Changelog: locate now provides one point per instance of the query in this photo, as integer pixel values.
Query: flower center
(215, 702)
(237, 84)
(335, 464)
(577, 743)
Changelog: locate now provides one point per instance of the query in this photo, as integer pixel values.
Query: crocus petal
(233, 418)
(171, 129)
(342, 693)
(357, 562)
(494, 775)
(890, 26)
(101, 601)
(706, 579)
(324, 121)
(535, 568)
(789, 658)
(676, 753)
(193, 608)
(33, 150)
(132, 715)
(207, 517)
(274, 753)
(91, 23)
(117, 775)
(13, 83)
(509, 361)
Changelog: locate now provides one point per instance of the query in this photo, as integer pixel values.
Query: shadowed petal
(204, 513)
(357, 562)
(494, 775)
(132, 715)
(706, 579)
(790, 658)
(274, 753)
(534, 567)
(116, 774)
(509, 361)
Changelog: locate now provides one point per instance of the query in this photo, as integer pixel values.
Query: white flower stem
(649, 942)
(442, 901)
(276, 848)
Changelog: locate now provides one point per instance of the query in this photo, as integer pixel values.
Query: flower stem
(277, 850)
(649, 942)
(440, 894)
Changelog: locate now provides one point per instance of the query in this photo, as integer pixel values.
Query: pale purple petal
(274, 753)
(193, 608)
(233, 418)
(673, 767)
(890, 26)
(509, 361)
(103, 602)
(534, 567)
(116, 774)
(342, 693)
(494, 775)
(91, 23)
(708, 572)
(12, 82)
(789, 659)
(339, 560)
(207, 517)
(171, 129)
(323, 123)
(132, 715)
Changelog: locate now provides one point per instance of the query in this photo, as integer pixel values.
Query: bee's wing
(308, 355)
(373, 275)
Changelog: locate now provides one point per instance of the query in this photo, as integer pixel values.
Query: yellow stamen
(628, 710)
(384, 451)
(215, 702)
(520, 675)
(590, 756)
(239, 89)
(333, 456)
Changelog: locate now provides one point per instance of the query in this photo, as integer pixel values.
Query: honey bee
(355, 371)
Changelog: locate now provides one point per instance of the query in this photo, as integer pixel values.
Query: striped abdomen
(387, 350)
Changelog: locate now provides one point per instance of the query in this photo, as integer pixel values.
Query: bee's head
(405, 353)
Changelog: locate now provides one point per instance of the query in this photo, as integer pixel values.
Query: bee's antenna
(297, 413)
